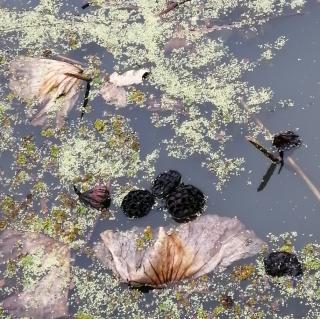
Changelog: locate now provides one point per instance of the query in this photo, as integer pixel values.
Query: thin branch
(172, 5)
(293, 164)
(131, 7)
(68, 60)
(264, 151)
(86, 99)
(206, 30)
(240, 25)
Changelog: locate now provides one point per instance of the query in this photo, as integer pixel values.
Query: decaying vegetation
(171, 59)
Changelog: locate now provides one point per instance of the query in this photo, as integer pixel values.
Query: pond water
(285, 205)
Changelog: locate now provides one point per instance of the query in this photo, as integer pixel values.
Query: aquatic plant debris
(113, 90)
(98, 197)
(165, 183)
(183, 75)
(53, 83)
(185, 203)
(45, 265)
(137, 203)
(282, 263)
(114, 95)
(129, 77)
(190, 251)
(294, 165)
(286, 140)
(194, 93)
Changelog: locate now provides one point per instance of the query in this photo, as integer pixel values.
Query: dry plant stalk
(293, 164)
(171, 5)
(262, 149)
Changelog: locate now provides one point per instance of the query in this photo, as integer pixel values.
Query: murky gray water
(286, 204)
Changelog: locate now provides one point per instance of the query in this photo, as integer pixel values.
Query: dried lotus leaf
(47, 297)
(53, 83)
(113, 91)
(191, 250)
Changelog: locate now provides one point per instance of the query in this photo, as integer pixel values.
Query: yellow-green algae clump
(259, 296)
(202, 70)
(201, 83)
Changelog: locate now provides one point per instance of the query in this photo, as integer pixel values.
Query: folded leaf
(53, 83)
(114, 95)
(113, 91)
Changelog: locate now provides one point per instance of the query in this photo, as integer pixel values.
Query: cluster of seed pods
(183, 202)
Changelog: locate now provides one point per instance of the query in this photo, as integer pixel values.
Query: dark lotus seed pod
(286, 140)
(137, 203)
(165, 183)
(185, 203)
(278, 264)
(98, 197)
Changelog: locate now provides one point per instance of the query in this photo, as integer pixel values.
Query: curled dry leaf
(47, 297)
(189, 251)
(50, 82)
(113, 91)
(128, 78)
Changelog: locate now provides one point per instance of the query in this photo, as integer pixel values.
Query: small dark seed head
(185, 203)
(278, 264)
(286, 140)
(137, 203)
(165, 183)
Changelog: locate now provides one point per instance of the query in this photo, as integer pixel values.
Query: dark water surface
(286, 204)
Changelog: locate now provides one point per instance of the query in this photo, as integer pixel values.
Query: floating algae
(136, 35)
(201, 85)
(255, 292)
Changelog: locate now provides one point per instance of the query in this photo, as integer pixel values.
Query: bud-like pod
(286, 140)
(98, 197)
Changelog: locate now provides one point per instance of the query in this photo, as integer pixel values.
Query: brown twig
(272, 157)
(293, 164)
(68, 60)
(206, 30)
(239, 25)
(79, 76)
(171, 6)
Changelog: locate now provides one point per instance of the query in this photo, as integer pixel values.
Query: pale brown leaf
(114, 95)
(55, 84)
(128, 78)
(47, 298)
(191, 250)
